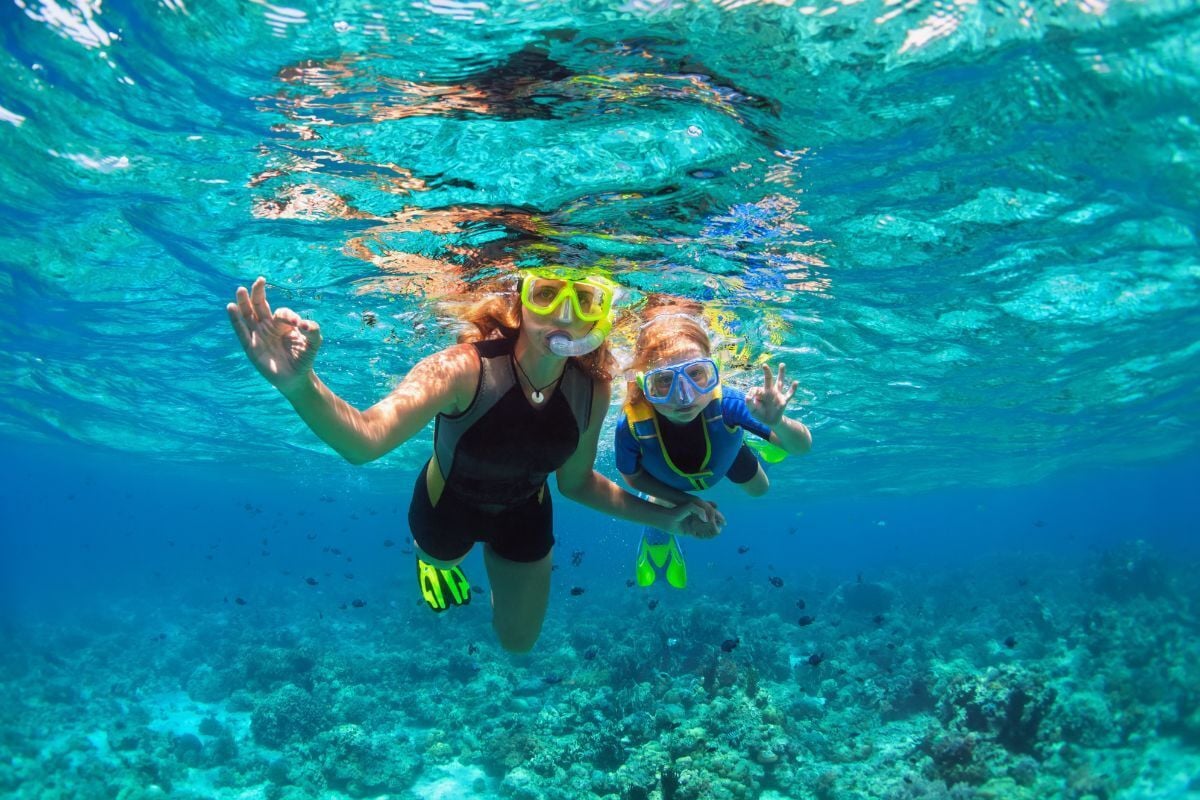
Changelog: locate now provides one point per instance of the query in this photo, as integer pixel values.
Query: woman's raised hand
(768, 401)
(280, 345)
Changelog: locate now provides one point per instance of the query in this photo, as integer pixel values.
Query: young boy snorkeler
(524, 394)
(682, 431)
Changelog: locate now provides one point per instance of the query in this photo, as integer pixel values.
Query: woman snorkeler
(522, 395)
(682, 431)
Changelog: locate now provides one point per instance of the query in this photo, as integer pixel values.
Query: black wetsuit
(495, 457)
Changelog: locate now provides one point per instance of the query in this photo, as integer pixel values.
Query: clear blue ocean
(969, 229)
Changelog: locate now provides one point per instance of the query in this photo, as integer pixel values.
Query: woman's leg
(520, 596)
(441, 546)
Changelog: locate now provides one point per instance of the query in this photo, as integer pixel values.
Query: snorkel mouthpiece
(563, 345)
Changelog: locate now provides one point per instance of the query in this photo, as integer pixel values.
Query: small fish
(800, 604)
(477, 589)
(388, 543)
(877, 619)
(653, 604)
(576, 591)
(1038, 524)
(472, 649)
(629, 583)
(590, 654)
(775, 581)
(552, 680)
(358, 603)
(1010, 642)
(576, 558)
(806, 620)
(335, 551)
(815, 659)
(311, 581)
(342, 606)
(743, 550)
(369, 319)
(728, 645)
(348, 576)
(1023, 582)
(311, 536)
(240, 601)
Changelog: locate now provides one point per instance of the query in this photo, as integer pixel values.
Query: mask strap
(680, 314)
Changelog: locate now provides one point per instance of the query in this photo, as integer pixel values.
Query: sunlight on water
(967, 227)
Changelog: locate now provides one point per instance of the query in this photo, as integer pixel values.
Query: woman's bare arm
(579, 481)
(440, 383)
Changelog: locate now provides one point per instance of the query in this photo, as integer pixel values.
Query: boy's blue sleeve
(737, 414)
(628, 451)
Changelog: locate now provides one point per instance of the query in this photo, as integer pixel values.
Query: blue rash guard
(713, 442)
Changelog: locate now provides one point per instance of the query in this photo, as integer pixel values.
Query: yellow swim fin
(676, 567)
(665, 558)
(442, 588)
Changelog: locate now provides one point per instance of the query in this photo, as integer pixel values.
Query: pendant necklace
(535, 393)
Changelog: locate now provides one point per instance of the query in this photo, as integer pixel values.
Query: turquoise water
(968, 229)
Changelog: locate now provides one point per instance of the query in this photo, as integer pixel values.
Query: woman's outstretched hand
(767, 402)
(280, 345)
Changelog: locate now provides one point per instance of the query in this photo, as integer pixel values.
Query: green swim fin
(665, 558)
(442, 588)
(769, 453)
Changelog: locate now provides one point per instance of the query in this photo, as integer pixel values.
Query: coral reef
(287, 715)
(896, 690)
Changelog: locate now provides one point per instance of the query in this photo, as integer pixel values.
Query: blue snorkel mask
(661, 384)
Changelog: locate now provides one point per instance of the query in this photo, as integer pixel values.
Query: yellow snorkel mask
(547, 290)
